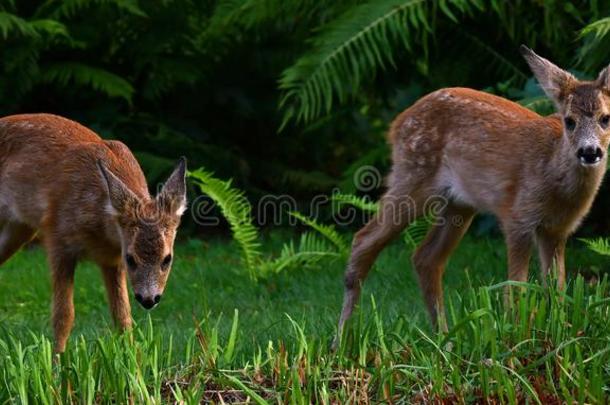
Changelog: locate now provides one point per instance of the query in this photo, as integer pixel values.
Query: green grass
(218, 337)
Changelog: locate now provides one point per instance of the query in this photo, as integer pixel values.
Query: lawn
(219, 337)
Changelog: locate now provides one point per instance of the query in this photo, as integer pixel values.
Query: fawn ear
(119, 196)
(172, 197)
(555, 81)
(603, 80)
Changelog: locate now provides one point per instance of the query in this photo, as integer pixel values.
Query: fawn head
(147, 228)
(584, 107)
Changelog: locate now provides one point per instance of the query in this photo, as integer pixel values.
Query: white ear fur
(181, 209)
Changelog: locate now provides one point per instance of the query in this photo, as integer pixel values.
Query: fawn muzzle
(590, 155)
(148, 302)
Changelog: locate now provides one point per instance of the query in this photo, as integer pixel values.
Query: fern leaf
(599, 245)
(328, 231)
(596, 39)
(598, 29)
(99, 79)
(362, 203)
(237, 210)
(413, 235)
(166, 73)
(69, 8)
(255, 13)
(416, 232)
(12, 23)
(352, 48)
(310, 252)
(50, 28)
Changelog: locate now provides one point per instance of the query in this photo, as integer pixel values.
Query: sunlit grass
(218, 337)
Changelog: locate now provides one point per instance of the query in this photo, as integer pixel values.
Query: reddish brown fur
(480, 152)
(50, 181)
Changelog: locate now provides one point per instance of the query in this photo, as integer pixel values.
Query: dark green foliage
(215, 80)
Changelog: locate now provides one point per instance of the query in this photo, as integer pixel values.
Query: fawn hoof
(334, 345)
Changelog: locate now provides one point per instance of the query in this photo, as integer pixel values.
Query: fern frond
(599, 245)
(166, 73)
(23, 70)
(598, 29)
(254, 13)
(413, 235)
(352, 48)
(12, 23)
(237, 210)
(50, 28)
(69, 8)
(596, 39)
(416, 232)
(362, 203)
(310, 252)
(64, 73)
(328, 231)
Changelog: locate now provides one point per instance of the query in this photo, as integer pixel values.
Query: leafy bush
(205, 79)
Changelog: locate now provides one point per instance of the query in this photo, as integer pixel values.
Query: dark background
(205, 79)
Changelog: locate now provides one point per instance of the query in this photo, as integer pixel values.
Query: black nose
(147, 303)
(157, 298)
(590, 154)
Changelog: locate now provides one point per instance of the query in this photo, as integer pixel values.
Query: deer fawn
(479, 152)
(89, 199)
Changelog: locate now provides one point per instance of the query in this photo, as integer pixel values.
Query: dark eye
(166, 261)
(604, 121)
(569, 123)
(131, 262)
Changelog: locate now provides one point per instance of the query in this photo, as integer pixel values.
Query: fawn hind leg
(13, 235)
(431, 256)
(397, 210)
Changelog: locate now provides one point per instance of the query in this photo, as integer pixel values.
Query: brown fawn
(88, 198)
(478, 152)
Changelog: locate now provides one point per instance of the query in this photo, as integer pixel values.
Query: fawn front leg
(519, 249)
(118, 296)
(62, 275)
(551, 249)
